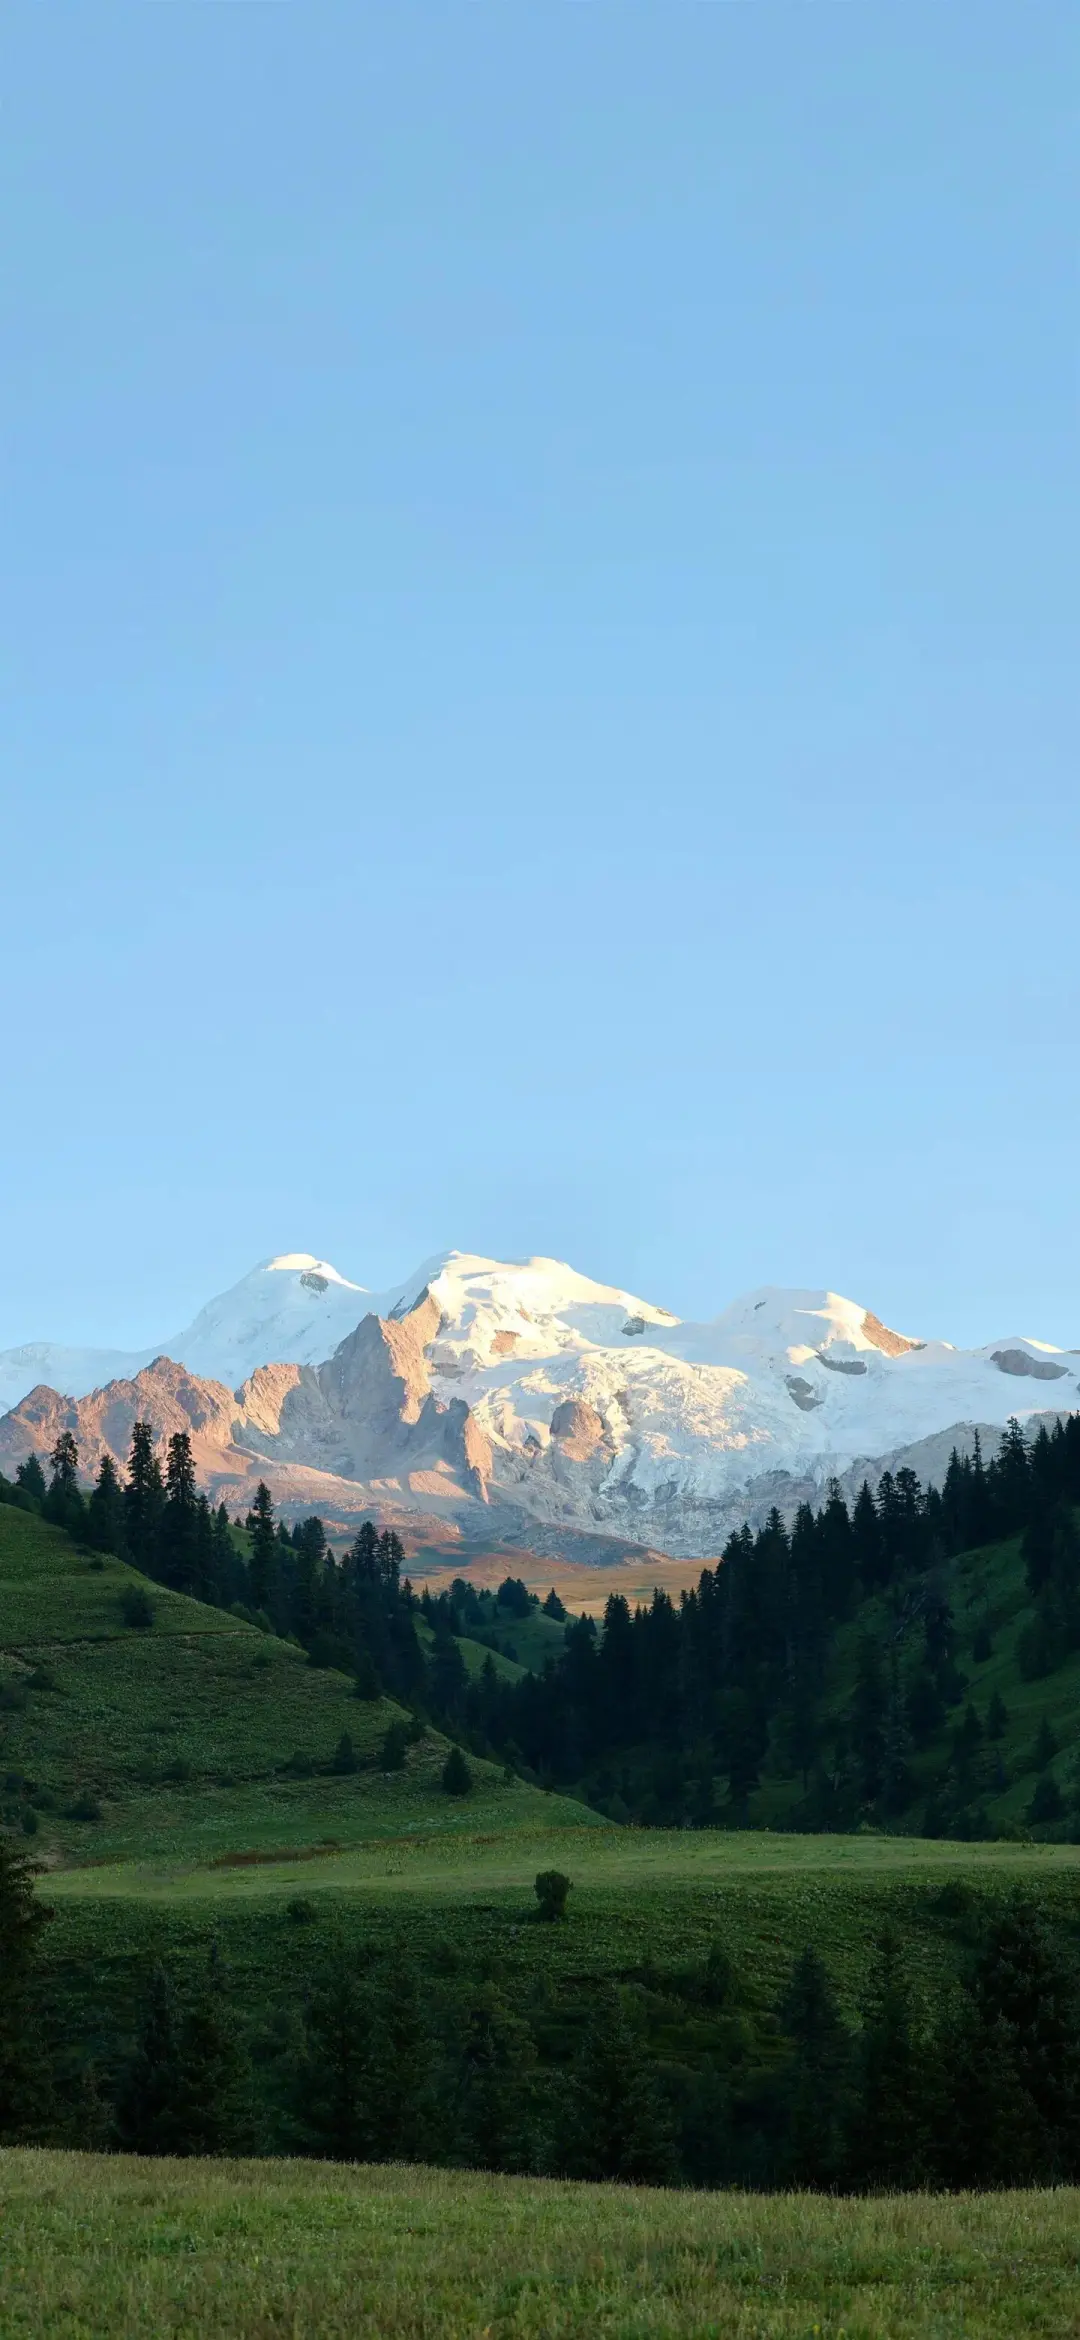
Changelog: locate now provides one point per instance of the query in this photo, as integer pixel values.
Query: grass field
(112, 2249)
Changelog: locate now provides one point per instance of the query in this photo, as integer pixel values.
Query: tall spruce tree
(63, 1501)
(179, 1533)
(105, 1511)
(144, 1501)
(263, 1559)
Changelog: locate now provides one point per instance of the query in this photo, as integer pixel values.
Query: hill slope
(195, 1734)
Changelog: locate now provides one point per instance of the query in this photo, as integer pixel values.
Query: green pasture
(105, 2248)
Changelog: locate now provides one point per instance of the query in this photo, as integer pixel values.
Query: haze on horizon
(539, 604)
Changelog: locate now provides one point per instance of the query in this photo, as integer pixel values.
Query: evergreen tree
(494, 2106)
(184, 2090)
(613, 2122)
(178, 1543)
(63, 1501)
(997, 1716)
(207, 1586)
(457, 1779)
(867, 1541)
(310, 1542)
(228, 1571)
(869, 1716)
(144, 1501)
(1013, 2062)
(23, 2083)
(263, 1559)
(815, 2093)
(30, 1484)
(363, 2087)
(894, 2095)
(105, 1511)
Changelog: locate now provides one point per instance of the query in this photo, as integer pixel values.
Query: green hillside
(195, 1731)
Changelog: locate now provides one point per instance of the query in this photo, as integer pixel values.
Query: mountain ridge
(495, 1395)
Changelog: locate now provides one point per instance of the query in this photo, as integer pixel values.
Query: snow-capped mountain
(295, 1307)
(527, 1387)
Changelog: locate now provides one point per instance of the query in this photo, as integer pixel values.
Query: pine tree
(494, 2104)
(22, 1918)
(263, 1560)
(63, 1501)
(457, 1779)
(816, 2087)
(310, 1544)
(105, 1511)
(1013, 2062)
(894, 2089)
(179, 1532)
(185, 2087)
(867, 1540)
(30, 1483)
(613, 2121)
(228, 1574)
(144, 1501)
(869, 1714)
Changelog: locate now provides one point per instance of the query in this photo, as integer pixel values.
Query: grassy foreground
(310, 2251)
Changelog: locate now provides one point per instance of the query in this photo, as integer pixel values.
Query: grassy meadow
(106, 2248)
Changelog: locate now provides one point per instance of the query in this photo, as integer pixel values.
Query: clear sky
(538, 629)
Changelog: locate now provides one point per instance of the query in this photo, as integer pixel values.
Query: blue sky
(537, 644)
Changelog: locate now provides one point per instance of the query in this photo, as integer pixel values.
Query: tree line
(685, 2076)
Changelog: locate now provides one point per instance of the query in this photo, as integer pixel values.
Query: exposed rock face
(367, 1418)
(1026, 1367)
(891, 1344)
(163, 1394)
(578, 1429)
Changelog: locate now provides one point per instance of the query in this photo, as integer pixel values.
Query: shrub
(551, 1891)
(300, 1911)
(136, 1607)
(85, 1807)
(344, 1757)
(178, 1771)
(457, 1779)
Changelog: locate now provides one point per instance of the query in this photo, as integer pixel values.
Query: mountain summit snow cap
(774, 1320)
(305, 1264)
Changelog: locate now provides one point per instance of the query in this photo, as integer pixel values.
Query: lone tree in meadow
(551, 1891)
(457, 1779)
